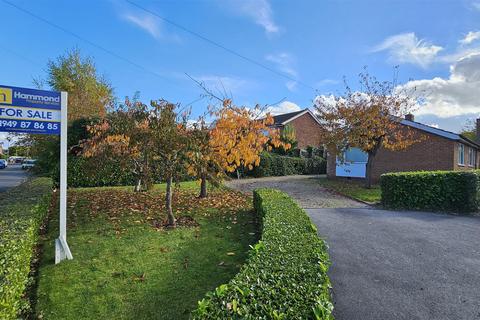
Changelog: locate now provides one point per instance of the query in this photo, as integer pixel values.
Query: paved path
(11, 176)
(304, 189)
(389, 264)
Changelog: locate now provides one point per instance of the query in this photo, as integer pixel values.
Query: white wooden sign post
(24, 110)
(62, 250)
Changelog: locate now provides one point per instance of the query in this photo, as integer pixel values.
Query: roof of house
(283, 119)
(440, 132)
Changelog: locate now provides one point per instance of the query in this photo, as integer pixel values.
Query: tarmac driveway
(391, 264)
(402, 265)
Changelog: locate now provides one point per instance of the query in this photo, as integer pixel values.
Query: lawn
(353, 189)
(128, 266)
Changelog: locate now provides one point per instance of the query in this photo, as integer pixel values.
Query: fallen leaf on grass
(230, 253)
(140, 277)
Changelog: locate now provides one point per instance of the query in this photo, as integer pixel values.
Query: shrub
(272, 164)
(285, 276)
(90, 172)
(454, 191)
(23, 211)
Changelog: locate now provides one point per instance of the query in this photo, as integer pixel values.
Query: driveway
(11, 176)
(391, 264)
(304, 189)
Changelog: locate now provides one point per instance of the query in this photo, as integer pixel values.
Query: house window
(355, 155)
(472, 157)
(461, 154)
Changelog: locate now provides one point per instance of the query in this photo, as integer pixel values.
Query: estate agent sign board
(32, 111)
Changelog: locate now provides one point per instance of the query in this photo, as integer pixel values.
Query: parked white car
(28, 164)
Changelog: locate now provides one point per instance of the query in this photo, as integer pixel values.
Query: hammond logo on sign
(5, 95)
(24, 110)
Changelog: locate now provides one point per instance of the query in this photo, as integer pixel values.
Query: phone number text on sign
(32, 126)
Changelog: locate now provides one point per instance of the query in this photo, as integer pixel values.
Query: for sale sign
(24, 110)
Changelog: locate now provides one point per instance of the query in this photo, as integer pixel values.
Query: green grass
(353, 189)
(125, 268)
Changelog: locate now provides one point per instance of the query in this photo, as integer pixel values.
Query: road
(11, 176)
(390, 265)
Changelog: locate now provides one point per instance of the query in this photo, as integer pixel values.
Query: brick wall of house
(307, 131)
(433, 153)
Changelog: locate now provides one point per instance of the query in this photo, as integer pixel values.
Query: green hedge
(275, 165)
(83, 172)
(23, 210)
(91, 172)
(285, 276)
(453, 191)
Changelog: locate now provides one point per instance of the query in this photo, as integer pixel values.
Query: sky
(271, 52)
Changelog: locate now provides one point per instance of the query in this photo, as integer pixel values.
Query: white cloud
(326, 82)
(408, 48)
(470, 37)
(291, 85)
(260, 11)
(223, 84)
(285, 63)
(283, 107)
(146, 22)
(454, 96)
(328, 100)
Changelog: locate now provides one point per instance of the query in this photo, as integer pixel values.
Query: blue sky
(314, 43)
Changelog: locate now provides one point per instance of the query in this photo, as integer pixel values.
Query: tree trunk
(203, 187)
(368, 174)
(138, 186)
(370, 161)
(168, 203)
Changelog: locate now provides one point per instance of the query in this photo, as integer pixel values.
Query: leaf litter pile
(149, 207)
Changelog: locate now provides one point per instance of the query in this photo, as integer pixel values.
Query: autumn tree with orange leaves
(202, 161)
(170, 140)
(124, 134)
(237, 139)
(367, 119)
(241, 134)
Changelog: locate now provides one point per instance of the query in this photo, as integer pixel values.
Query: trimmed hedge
(83, 172)
(91, 172)
(23, 210)
(275, 165)
(453, 191)
(285, 276)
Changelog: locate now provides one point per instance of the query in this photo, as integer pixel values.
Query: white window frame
(461, 154)
(472, 157)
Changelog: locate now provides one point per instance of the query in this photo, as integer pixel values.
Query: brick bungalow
(306, 125)
(440, 150)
